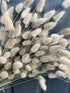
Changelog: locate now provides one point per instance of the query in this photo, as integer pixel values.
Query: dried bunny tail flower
(7, 55)
(39, 53)
(61, 74)
(64, 68)
(43, 47)
(25, 12)
(10, 43)
(38, 22)
(36, 32)
(26, 35)
(65, 53)
(0, 51)
(28, 3)
(7, 21)
(50, 67)
(4, 6)
(50, 25)
(58, 16)
(17, 65)
(11, 76)
(65, 61)
(27, 19)
(26, 42)
(49, 15)
(65, 31)
(14, 51)
(35, 47)
(22, 51)
(4, 74)
(16, 71)
(42, 82)
(3, 60)
(10, 12)
(55, 48)
(52, 75)
(34, 17)
(47, 58)
(35, 61)
(28, 68)
(40, 6)
(66, 4)
(7, 65)
(47, 41)
(23, 74)
(19, 7)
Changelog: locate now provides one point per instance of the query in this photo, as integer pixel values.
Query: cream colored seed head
(14, 51)
(38, 22)
(50, 67)
(35, 61)
(22, 51)
(35, 47)
(55, 63)
(52, 76)
(27, 19)
(49, 15)
(4, 6)
(55, 48)
(26, 35)
(43, 47)
(4, 74)
(17, 58)
(58, 16)
(39, 53)
(66, 4)
(47, 58)
(0, 51)
(36, 32)
(25, 58)
(11, 76)
(8, 65)
(17, 65)
(28, 68)
(59, 73)
(26, 42)
(65, 31)
(47, 41)
(34, 17)
(24, 74)
(50, 25)
(16, 71)
(65, 61)
(7, 55)
(28, 3)
(19, 7)
(25, 12)
(3, 60)
(7, 21)
(10, 43)
(40, 6)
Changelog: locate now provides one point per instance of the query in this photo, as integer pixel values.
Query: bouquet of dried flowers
(26, 47)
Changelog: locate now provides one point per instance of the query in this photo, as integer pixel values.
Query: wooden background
(56, 85)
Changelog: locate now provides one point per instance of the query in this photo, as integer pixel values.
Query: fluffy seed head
(4, 74)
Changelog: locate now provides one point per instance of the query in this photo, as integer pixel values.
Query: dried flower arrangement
(27, 49)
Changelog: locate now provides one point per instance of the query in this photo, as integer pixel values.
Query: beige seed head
(47, 41)
(4, 74)
(50, 67)
(19, 7)
(24, 74)
(59, 73)
(0, 51)
(17, 58)
(65, 31)
(7, 65)
(55, 48)
(40, 6)
(39, 53)
(28, 68)
(35, 61)
(17, 65)
(55, 63)
(36, 32)
(4, 6)
(7, 21)
(43, 47)
(3, 60)
(11, 76)
(25, 12)
(16, 71)
(66, 4)
(52, 76)
(22, 51)
(49, 15)
(26, 35)
(26, 58)
(50, 25)
(58, 16)
(35, 47)
(7, 55)
(28, 3)
(34, 17)
(26, 42)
